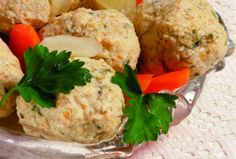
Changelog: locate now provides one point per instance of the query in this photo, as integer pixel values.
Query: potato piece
(62, 6)
(59, 6)
(79, 46)
(125, 6)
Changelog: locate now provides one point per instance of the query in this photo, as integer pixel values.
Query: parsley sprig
(47, 74)
(149, 115)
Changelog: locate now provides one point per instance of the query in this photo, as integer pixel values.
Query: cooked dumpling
(89, 114)
(34, 12)
(10, 75)
(110, 27)
(177, 34)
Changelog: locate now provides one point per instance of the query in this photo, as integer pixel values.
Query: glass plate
(19, 145)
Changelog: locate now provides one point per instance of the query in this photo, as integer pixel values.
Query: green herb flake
(210, 38)
(196, 43)
(36, 109)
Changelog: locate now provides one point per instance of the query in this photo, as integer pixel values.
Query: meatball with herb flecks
(88, 114)
(111, 28)
(10, 75)
(33, 12)
(177, 34)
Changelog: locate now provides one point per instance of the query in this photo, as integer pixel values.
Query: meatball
(89, 114)
(110, 27)
(32, 12)
(10, 75)
(179, 34)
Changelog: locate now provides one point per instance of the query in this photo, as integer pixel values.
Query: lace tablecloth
(210, 131)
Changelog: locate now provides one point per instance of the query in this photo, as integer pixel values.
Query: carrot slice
(144, 80)
(21, 38)
(138, 2)
(169, 81)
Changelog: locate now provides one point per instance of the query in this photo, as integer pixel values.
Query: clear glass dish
(15, 144)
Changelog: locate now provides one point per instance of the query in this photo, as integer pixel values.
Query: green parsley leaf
(148, 115)
(41, 98)
(47, 74)
(128, 82)
(141, 125)
(160, 106)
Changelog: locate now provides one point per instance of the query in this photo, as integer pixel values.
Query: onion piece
(79, 46)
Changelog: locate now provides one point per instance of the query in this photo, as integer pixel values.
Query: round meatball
(10, 75)
(89, 114)
(179, 34)
(110, 27)
(34, 12)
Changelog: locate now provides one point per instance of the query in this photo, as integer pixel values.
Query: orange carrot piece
(20, 39)
(144, 80)
(138, 2)
(169, 81)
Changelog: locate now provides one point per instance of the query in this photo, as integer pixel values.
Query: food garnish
(149, 115)
(22, 37)
(47, 74)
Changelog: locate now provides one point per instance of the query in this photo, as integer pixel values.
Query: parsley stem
(6, 96)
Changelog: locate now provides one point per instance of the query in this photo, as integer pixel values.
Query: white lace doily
(210, 131)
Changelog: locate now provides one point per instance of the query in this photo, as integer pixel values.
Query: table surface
(210, 131)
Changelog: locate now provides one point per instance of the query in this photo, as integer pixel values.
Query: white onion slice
(79, 46)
